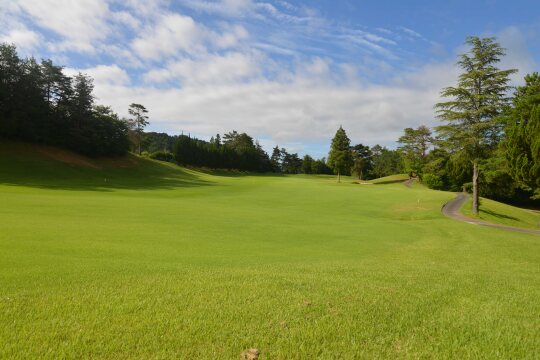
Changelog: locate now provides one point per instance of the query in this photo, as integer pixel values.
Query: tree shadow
(497, 215)
(144, 174)
(386, 182)
(234, 173)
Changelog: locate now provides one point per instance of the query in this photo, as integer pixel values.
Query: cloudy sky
(286, 72)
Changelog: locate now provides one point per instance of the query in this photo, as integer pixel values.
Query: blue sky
(287, 72)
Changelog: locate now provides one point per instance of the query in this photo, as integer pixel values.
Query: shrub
(162, 156)
(433, 181)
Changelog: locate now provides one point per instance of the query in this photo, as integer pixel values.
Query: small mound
(392, 179)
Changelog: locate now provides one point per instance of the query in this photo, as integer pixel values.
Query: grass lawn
(140, 259)
(398, 178)
(500, 213)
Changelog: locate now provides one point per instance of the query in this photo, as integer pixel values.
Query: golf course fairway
(139, 259)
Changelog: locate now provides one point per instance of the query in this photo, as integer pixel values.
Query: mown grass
(390, 179)
(504, 214)
(161, 262)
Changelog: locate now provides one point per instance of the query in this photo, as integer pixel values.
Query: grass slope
(398, 178)
(162, 262)
(500, 213)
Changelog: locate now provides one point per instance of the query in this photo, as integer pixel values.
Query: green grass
(161, 262)
(500, 213)
(398, 178)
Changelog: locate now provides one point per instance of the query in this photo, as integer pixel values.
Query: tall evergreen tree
(276, 159)
(475, 103)
(138, 122)
(522, 142)
(340, 158)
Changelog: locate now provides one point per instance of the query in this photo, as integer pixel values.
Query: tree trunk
(475, 203)
(338, 177)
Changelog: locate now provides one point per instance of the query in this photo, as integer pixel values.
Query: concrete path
(451, 210)
(408, 183)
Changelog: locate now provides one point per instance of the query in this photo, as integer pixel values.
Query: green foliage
(290, 163)
(415, 144)
(321, 167)
(476, 102)
(362, 162)
(433, 181)
(162, 156)
(137, 123)
(239, 152)
(386, 162)
(154, 142)
(472, 126)
(522, 144)
(340, 158)
(39, 103)
(276, 159)
(307, 164)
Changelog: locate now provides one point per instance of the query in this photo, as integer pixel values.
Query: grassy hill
(133, 258)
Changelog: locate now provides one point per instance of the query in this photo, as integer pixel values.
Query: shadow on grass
(233, 173)
(497, 215)
(144, 174)
(386, 182)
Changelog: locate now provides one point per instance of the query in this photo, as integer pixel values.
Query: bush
(433, 181)
(162, 156)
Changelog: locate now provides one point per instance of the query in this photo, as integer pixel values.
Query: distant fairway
(141, 259)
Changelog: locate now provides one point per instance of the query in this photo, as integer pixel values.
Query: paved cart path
(451, 210)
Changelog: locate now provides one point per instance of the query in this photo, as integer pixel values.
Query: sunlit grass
(499, 213)
(161, 262)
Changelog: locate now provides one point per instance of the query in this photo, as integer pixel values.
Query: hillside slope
(50, 167)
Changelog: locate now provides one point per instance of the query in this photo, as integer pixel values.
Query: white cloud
(230, 36)
(518, 55)
(23, 38)
(271, 81)
(104, 75)
(291, 111)
(170, 34)
(214, 69)
(78, 22)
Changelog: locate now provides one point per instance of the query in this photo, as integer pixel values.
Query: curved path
(408, 183)
(451, 210)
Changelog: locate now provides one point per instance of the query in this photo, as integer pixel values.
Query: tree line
(40, 103)
(489, 142)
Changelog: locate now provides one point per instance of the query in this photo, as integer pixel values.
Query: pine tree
(476, 102)
(522, 142)
(276, 159)
(339, 158)
(138, 122)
